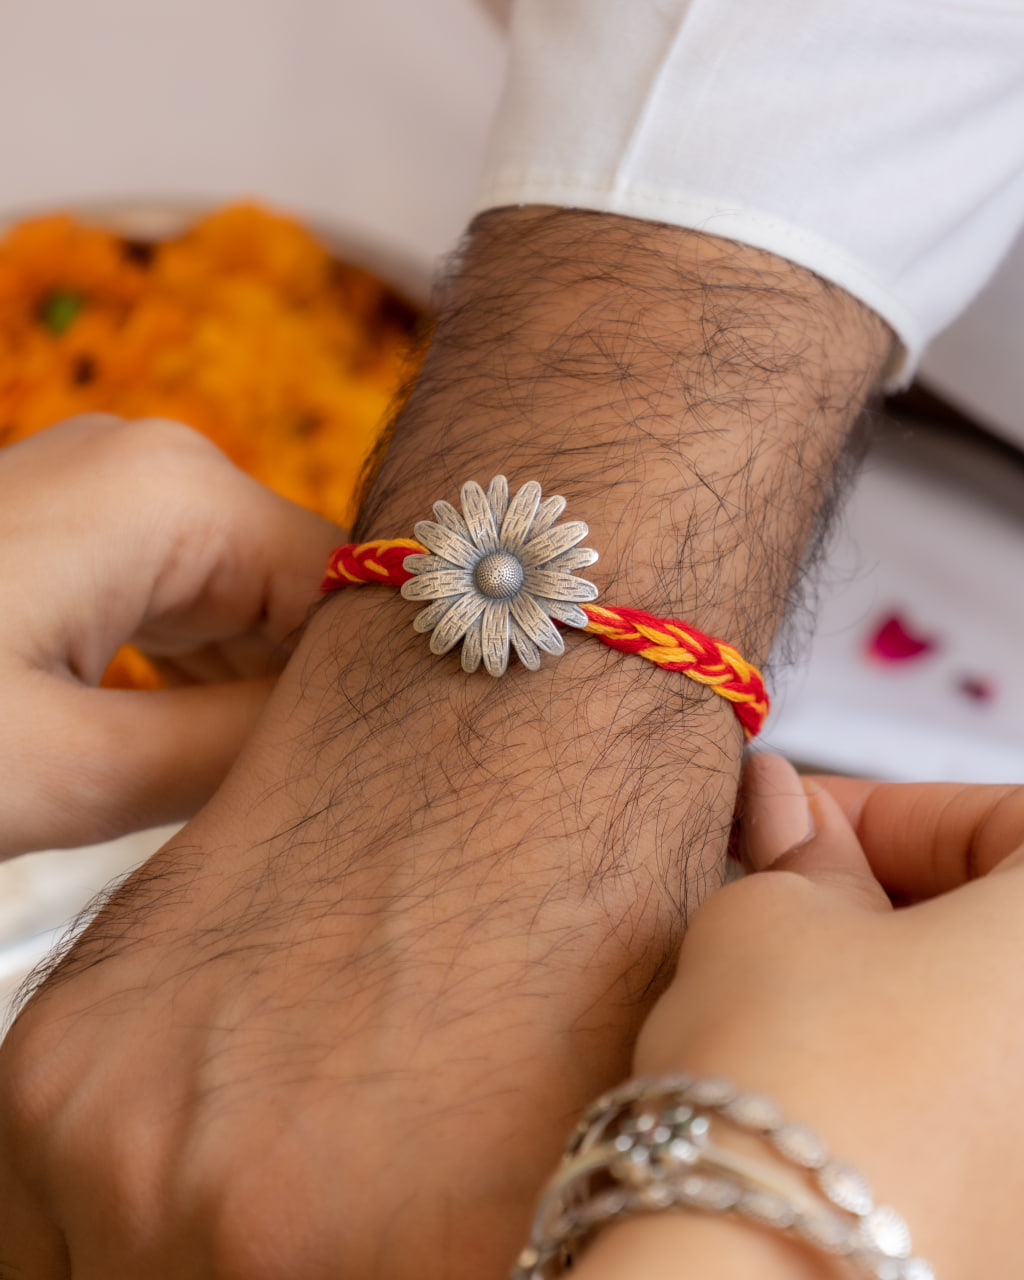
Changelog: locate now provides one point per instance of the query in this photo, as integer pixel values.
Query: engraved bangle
(649, 1145)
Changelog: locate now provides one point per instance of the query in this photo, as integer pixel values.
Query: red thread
(380, 561)
(674, 645)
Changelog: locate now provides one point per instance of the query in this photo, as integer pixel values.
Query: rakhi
(500, 573)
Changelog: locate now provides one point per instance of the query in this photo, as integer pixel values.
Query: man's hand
(341, 1025)
(112, 532)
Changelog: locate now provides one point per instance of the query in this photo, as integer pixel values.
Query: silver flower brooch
(497, 574)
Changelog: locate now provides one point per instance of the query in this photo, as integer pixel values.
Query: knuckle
(138, 440)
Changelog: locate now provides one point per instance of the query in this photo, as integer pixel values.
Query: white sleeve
(880, 143)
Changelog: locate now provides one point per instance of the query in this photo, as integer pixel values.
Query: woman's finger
(98, 763)
(791, 824)
(144, 531)
(923, 839)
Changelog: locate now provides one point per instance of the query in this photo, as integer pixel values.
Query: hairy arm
(693, 399)
(419, 924)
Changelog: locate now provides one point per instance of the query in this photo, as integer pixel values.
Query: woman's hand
(115, 531)
(897, 1034)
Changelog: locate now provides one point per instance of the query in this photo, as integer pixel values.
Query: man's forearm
(690, 397)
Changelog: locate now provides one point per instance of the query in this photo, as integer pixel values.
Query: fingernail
(775, 815)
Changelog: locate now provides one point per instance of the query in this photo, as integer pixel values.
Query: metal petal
(535, 622)
(497, 496)
(434, 583)
(529, 654)
(472, 647)
(547, 513)
(561, 610)
(541, 549)
(428, 618)
(494, 637)
(446, 542)
(515, 528)
(479, 517)
(446, 514)
(558, 586)
(428, 561)
(456, 622)
(420, 562)
(577, 558)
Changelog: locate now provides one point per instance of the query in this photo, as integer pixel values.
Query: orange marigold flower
(59, 256)
(247, 240)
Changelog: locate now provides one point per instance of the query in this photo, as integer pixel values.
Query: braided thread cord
(663, 641)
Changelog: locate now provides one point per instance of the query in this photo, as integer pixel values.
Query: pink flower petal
(977, 688)
(893, 640)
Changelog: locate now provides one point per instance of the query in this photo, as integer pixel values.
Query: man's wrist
(688, 395)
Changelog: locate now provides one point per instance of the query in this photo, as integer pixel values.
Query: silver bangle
(648, 1145)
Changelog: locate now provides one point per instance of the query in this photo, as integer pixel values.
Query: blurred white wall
(371, 115)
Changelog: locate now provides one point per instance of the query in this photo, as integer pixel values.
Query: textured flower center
(498, 575)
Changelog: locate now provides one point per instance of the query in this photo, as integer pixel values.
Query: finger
(146, 530)
(100, 763)
(247, 563)
(923, 839)
(774, 813)
(790, 824)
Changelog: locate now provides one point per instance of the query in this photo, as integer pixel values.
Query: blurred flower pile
(244, 327)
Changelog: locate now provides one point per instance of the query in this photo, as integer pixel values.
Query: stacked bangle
(649, 1145)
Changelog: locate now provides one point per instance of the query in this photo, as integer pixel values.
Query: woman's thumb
(791, 824)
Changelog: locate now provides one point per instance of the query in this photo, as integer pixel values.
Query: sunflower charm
(497, 574)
